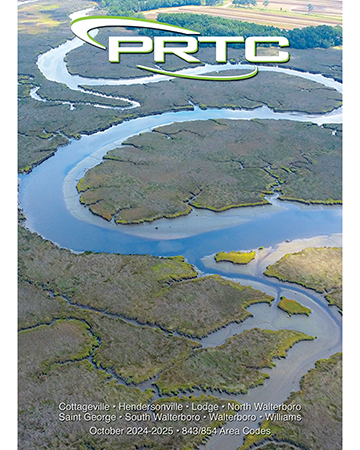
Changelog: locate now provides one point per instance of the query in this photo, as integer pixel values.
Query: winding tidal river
(51, 205)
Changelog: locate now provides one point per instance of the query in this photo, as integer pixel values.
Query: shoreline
(270, 255)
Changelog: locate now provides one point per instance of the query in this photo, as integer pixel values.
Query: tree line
(324, 36)
(135, 7)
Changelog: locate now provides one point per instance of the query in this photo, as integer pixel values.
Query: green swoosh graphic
(200, 77)
(81, 26)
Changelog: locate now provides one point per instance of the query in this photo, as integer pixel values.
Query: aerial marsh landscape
(109, 317)
(319, 397)
(215, 165)
(233, 367)
(316, 268)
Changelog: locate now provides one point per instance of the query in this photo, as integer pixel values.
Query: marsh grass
(235, 257)
(224, 162)
(315, 268)
(152, 290)
(320, 400)
(233, 367)
(293, 307)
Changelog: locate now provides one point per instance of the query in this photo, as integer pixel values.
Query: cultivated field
(286, 14)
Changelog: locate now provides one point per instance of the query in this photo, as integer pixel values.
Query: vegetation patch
(133, 352)
(232, 367)
(55, 343)
(317, 60)
(320, 400)
(335, 297)
(315, 268)
(36, 306)
(235, 257)
(36, 18)
(158, 291)
(40, 398)
(291, 307)
(52, 356)
(39, 409)
(214, 164)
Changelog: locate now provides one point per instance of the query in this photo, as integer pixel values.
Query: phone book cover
(180, 225)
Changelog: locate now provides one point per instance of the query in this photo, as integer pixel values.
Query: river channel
(50, 202)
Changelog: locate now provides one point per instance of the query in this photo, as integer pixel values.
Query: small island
(235, 257)
(292, 307)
